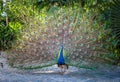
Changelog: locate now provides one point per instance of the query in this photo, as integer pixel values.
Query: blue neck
(61, 58)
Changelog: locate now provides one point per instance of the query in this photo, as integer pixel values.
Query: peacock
(65, 37)
(61, 61)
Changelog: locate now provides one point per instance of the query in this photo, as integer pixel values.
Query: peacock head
(62, 46)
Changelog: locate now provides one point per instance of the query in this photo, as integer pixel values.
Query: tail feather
(74, 31)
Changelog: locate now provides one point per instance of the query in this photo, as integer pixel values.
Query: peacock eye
(71, 25)
(94, 22)
(77, 54)
(107, 47)
(51, 17)
(75, 45)
(80, 50)
(78, 23)
(81, 45)
(59, 24)
(52, 46)
(86, 22)
(62, 11)
(46, 23)
(75, 38)
(93, 48)
(71, 18)
(94, 39)
(56, 35)
(91, 31)
(40, 31)
(88, 46)
(77, 31)
(85, 52)
(64, 14)
(55, 29)
(90, 55)
(46, 17)
(101, 45)
(70, 32)
(87, 37)
(81, 56)
(65, 21)
(65, 27)
(61, 18)
(81, 37)
(60, 31)
(41, 48)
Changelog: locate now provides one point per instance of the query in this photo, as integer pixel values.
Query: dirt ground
(52, 74)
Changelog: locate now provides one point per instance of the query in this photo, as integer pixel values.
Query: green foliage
(115, 19)
(16, 26)
(1, 6)
(115, 28)
(11, 32)
(8, 36)
(60, 3)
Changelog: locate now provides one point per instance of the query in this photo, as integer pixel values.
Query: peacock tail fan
(40, 44)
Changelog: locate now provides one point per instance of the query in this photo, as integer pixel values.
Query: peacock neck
(61, 60)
